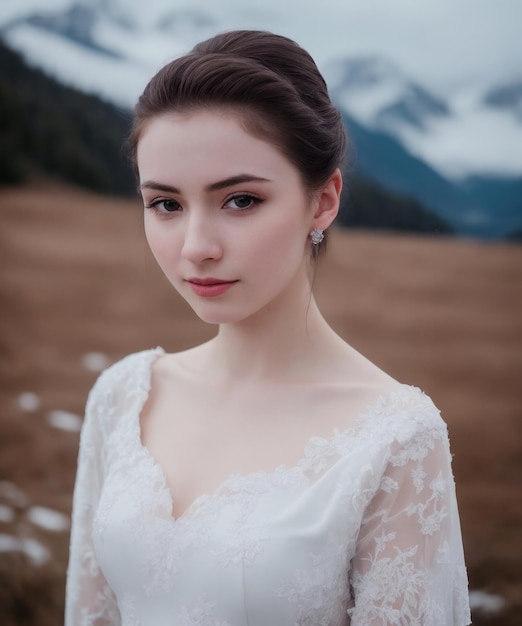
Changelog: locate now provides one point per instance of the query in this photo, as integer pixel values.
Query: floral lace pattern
(200, 614)
(364, 530)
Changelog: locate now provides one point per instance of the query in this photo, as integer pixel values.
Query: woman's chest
(283, 537)
(211, 437)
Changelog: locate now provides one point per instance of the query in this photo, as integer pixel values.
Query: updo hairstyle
(272, 83)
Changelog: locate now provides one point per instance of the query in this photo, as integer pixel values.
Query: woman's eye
(242, 202)
(163, 206)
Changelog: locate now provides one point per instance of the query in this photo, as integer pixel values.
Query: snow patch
(95, 361)
(477, 141)
(48, 519)
(111, 78)
(32, 548)
(13, 494)
(486, 603)
(28, 401)
(13, 10)
(65, 420)
(156, 46)
(6, 514)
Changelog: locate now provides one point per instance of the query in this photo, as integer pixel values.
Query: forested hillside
(366, 205)
(49, 130)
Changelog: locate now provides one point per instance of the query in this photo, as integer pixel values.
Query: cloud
(450, 44)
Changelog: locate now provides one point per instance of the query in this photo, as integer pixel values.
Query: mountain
(76, 24)
(117, 44)
(486, 207)
(458, 157)
(366, 205)
(507, 98)
(497, 197)
(470, 135)
(53, 131)
(393, 121)
(379, 157)
(377, 93)
(47, 129)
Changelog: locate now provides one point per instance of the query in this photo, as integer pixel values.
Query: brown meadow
(76, 277)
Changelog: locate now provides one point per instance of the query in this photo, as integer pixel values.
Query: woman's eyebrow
(221, 184)
(152, 184)
(235, 180)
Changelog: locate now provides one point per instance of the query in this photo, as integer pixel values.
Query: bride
(273, 475)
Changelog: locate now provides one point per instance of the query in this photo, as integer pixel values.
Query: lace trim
(379, 420)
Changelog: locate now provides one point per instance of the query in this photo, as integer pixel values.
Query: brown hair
(272, 82)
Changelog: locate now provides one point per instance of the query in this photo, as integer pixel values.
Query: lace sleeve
(409, 565)
(89, 599)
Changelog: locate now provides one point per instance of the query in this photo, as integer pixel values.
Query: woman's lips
(210, 287)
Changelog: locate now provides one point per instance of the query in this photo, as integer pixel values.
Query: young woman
(273, 475)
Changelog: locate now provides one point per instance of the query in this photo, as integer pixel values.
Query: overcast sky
(451, 42)
(448, 44)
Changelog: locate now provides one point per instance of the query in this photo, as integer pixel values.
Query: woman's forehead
(213, 144)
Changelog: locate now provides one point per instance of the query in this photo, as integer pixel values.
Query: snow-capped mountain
(449, 150)
(112, 47)
(99, 47)
(507, 98)
(470, 134)
(377, 93)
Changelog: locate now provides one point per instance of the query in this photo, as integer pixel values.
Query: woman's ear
(326, 205)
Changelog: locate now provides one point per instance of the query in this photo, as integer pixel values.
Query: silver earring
(316, 236)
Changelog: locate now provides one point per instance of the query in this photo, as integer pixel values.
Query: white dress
(364, 530)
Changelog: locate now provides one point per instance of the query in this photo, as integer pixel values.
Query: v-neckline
(301, 465)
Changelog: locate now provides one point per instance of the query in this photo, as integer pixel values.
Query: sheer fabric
(363, 531)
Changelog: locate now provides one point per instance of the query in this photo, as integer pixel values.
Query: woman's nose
(201, 242)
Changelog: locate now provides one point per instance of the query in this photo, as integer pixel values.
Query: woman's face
(226, 214)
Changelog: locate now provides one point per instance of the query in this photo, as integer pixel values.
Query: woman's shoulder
(392, 408)
(404, 414)
(127, 378)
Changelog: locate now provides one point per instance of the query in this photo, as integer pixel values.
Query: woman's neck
(288, 341)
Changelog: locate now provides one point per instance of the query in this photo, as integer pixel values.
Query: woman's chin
(216, 315)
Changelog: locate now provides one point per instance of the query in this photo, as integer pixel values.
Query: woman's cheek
(160, 241)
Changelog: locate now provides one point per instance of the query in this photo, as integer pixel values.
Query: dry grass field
(76, 278)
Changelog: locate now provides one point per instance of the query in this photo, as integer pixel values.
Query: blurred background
(423, 274)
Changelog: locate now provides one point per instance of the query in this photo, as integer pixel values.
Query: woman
(273, 475)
